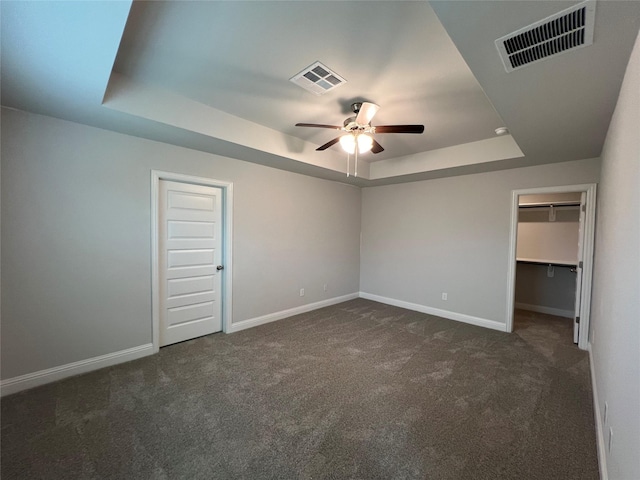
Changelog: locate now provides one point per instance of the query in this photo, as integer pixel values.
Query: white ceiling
(214, 76)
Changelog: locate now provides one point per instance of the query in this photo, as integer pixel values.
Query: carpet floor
(358, 390)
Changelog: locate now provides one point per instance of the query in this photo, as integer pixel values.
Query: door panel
(190, 231)
(190, 286)
(189, 258)
(189, 313)
(190, 227)
(190, 201)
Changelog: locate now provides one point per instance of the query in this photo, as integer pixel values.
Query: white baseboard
(459, 317)
(548, 310)
(30, 380)
(272, 317)
(602, 456)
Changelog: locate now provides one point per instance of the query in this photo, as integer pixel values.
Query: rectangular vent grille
(318, 79)
(567, 30)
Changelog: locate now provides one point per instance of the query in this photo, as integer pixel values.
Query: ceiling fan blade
(399, 129)
(328, 144)
(366, 113)
(318, 125)
(377, 148)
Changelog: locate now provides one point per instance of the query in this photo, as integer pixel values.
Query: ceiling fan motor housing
(350, 123)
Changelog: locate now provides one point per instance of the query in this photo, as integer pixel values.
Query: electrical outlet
(302, 292)
(444, 295)
(605, 417)
(610, 439)
(325, 287)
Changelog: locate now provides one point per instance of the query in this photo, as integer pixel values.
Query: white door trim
(588, 245)
(227, 256)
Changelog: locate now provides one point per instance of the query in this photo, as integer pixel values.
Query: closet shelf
(553, 263)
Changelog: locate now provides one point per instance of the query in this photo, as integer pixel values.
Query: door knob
(220, 267)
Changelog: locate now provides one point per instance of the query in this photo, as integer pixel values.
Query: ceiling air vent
(318, 79)
(567, 30)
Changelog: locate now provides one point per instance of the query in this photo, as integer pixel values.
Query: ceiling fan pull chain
(347, 164)
(355, 172)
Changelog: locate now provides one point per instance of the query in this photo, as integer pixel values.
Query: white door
(578, 303)
(190, 251)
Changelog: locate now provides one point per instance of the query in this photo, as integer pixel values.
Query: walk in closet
(547, 253)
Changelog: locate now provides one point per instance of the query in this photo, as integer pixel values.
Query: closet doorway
(551, 254)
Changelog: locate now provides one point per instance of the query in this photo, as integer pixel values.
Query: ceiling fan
(359, 130)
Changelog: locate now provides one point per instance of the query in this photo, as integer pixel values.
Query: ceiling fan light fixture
(348, 143)
(365, 142)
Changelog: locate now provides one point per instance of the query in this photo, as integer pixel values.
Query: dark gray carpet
(358, 390)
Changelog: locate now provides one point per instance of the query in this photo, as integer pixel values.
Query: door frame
(227, 243)
(588, 237)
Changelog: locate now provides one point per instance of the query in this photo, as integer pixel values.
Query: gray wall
(450, 235)
(76, 278)
(615, 307)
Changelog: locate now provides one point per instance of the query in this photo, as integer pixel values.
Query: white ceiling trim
(472, 153)
(160, 105)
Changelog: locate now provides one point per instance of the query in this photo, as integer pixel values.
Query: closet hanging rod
(549, 204)
(548, 264)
